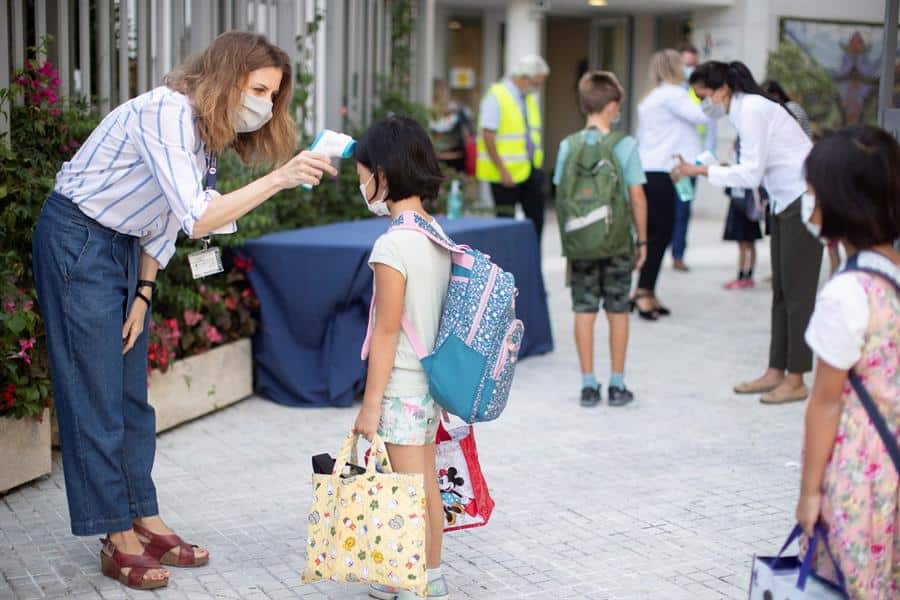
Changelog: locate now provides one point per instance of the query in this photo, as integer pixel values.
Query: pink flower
(26, 344)
(213, 335)
(877, 550)
(27, 305)
(73, 143)
(889, 530)
(52, 98)
(9, 306)
(874, 362)
(24, 356)
(872, 470)
(192, 317)
(46, 69)
(55, 82)
(216, 298)
(230, 303)
(55, 112)
(63, 149)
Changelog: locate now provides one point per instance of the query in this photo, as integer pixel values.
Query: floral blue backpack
(471, 368)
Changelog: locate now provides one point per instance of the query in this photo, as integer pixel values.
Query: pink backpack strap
(407, 222)
(414, 340)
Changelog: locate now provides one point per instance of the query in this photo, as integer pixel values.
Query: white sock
(434, 574)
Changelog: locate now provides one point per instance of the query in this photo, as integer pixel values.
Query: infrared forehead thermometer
(332, 144)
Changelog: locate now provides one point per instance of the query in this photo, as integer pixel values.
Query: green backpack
(591, 203)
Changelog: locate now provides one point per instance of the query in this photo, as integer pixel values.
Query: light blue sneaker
(437, 590)
(383, 592)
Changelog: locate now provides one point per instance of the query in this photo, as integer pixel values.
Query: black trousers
(529, 193)
(796, 260)
(661, 199)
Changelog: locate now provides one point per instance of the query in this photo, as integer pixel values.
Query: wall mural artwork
(833, 68)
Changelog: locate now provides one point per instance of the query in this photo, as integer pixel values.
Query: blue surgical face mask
(687, 72)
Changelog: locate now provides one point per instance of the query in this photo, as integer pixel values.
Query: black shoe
(620, 396)
(590, 396)
(663, 311)
(647, 315)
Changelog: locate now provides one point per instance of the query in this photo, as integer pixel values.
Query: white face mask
(253, 113)
(379, 208)
(687, 72)
(807, 207)
(711, 109)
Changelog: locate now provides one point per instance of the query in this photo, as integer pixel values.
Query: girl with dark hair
(112, 221)
(777, 93)
(398, 169)
(773, 148)
(849, 480)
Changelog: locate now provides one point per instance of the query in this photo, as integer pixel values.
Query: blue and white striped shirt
(140, 172)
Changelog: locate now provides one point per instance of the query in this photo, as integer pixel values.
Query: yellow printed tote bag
(367, 528)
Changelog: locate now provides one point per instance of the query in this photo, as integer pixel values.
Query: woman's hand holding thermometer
(304, 169)
(333, 145)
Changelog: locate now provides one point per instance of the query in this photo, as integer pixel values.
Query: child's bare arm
(823, 416)
(639, 215)
(390, 291)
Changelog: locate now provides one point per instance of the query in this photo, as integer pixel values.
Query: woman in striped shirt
(146, 173)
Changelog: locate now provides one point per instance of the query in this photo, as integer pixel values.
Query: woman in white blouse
(667, 127)
(144, 174)
(773, 148)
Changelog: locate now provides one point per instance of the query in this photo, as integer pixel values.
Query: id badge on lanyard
(208, 261)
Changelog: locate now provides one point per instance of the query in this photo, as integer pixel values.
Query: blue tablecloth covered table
(315, 286)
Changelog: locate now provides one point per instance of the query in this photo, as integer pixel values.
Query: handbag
(464, 491)
(751, 203)
(367, 528)
(789, 578)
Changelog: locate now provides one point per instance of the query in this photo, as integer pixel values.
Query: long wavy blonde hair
(213, 80)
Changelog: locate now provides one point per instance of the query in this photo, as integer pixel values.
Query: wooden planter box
(201, 384)
(26, 443)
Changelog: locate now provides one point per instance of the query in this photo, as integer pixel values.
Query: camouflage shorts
(606, 278)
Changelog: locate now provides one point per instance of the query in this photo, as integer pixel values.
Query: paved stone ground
(668, 498)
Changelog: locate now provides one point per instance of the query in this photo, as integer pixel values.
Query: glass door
(610, 50)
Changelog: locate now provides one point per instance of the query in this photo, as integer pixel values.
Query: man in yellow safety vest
(510, 150)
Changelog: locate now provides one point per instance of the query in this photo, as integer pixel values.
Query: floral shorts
(409, 420)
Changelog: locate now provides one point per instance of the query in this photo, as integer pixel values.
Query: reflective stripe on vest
(511, 138)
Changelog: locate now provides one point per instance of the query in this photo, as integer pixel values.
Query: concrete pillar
(425, 41)
(439, 64)
(524, 29)
(491, 61)
(334, 58)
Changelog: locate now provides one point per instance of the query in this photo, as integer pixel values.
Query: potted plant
(201, 360)
(25, 394)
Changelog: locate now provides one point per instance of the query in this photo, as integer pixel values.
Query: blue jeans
(86, 276)
(679, 234)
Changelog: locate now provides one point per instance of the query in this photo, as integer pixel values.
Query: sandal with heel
(169, 550)
(647, 315)
(113, 561)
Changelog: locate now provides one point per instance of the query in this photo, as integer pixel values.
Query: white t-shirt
(836, 331)
(426, 268)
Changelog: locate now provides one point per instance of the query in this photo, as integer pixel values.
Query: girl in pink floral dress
(849, 480)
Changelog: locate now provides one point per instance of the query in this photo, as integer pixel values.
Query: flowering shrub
(223, 314)
(23, 354)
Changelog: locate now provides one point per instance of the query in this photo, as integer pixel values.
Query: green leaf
(16, 324)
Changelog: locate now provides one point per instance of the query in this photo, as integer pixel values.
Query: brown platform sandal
(169, 550)
(112, 561)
